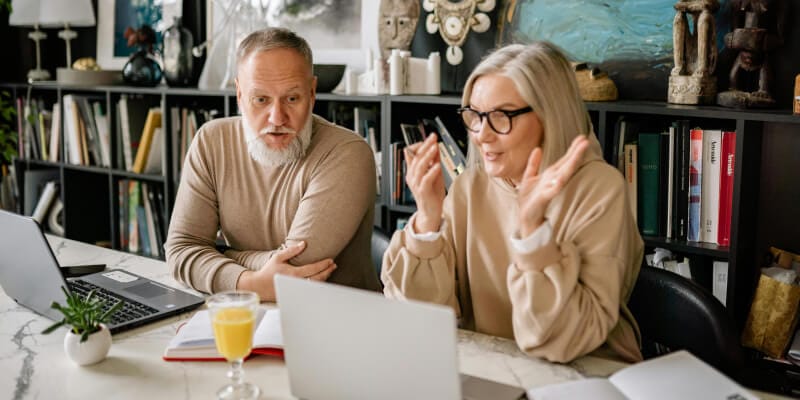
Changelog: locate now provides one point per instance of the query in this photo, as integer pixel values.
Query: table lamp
(26, 13)
(66, 14)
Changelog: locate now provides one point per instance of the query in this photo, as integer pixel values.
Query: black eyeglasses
(499, 120)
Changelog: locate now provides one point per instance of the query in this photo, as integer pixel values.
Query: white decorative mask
(454, 19)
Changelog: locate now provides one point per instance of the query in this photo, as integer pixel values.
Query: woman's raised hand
(536, 190)
(424, 178)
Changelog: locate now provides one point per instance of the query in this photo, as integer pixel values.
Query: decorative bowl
(328, 76)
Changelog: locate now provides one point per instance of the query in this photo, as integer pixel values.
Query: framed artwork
(114, 16)
(338, 31)
(629, 39)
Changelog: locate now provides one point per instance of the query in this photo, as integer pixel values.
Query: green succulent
(83, 314)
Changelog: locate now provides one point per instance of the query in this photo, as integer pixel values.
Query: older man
(291, 193)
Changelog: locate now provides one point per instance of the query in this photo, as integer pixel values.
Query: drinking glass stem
(236, 373)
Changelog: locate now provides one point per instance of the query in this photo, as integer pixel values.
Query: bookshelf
(765, 185)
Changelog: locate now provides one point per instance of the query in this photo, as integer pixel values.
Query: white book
(678, 375)
(155, 157)
(72, 132)
(101, 122)
(709, 195)
(719, 286)
(45, 200)
(195, 339)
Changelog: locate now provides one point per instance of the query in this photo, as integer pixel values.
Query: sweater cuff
(538, 259)
(226, 277)
(424, 236)
(535, 240)
(422, 248)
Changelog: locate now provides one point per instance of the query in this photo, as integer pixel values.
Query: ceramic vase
(142, 69)
(92, 351)
(178, 60)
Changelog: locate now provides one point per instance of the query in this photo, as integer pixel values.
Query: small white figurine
(406, 75)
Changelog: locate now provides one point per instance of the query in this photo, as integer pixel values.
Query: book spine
(671, 177)
(631, 177)
(719, 287)
(695, 186)
(712, 152)
(727, 167)
(649, 174)
(682, 208)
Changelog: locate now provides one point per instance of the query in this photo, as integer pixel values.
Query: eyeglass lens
(498, 120)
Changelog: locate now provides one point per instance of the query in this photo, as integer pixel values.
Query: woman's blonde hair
(545, 79)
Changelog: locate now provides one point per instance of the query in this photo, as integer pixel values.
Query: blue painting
(630, 39)
(134, 13)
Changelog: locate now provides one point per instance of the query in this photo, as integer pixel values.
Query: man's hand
(263, 280)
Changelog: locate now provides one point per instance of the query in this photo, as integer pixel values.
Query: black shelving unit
(765, 184)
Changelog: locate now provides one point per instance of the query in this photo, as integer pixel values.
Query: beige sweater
(561, 301)
(326, 199)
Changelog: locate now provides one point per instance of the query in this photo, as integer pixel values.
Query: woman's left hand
(536, 190)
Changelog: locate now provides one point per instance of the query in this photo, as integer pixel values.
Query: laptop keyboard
(131, 310)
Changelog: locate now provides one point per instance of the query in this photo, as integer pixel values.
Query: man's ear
(238, 89)
(314, 87)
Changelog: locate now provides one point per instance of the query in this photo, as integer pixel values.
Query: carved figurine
(397, 25)
(757, 28)
(692, 80)
(453, 19)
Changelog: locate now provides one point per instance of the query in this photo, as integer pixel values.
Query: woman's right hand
(424, 178)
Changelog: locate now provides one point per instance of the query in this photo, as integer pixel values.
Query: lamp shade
(52, 13)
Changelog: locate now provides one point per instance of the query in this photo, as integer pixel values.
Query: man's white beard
(269, 157)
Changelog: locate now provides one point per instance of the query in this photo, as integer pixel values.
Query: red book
(726, 187)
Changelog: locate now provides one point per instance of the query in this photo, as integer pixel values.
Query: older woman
(535, 240)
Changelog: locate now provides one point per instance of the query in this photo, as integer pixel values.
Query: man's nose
(277, 115)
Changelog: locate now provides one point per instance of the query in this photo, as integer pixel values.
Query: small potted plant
(88, 340)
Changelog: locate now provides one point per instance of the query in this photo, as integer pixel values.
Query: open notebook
(195, 339)
(678, 375)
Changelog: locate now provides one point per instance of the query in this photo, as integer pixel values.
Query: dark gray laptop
(31, 275)
(342, 343)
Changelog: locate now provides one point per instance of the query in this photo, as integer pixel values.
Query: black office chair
(380, 241)
(676, 313)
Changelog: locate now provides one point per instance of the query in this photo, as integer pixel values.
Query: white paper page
(199, 332)
(592, 388)
(268, 333)
(678, 375)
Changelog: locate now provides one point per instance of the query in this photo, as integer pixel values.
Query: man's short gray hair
(274, 38)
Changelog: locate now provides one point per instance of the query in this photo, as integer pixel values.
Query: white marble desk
(34, 366)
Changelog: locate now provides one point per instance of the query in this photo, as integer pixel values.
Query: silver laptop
(31, 275)
(345, 343)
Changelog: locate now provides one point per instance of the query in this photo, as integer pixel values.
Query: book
(631, 177)
(709, 193)
(45, 200)
(155, 158)
(695, 184)
(649, 182)
(677, 375)
(719, 285)
(195, 339)
(727, 167)
(148, 131)
(681, 194)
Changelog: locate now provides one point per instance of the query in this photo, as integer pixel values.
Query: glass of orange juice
(233, 316)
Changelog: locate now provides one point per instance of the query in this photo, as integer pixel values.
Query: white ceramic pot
(93, 350)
